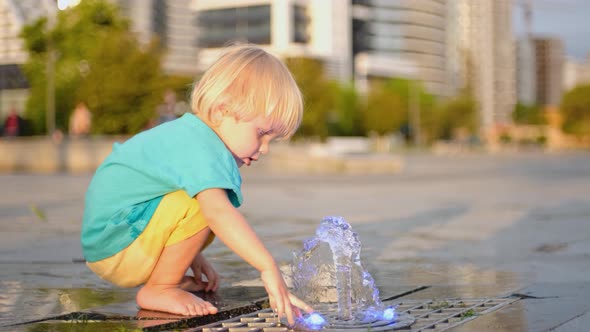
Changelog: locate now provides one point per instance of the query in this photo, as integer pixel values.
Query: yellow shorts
(177, 218)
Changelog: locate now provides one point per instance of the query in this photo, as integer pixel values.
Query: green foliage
(439, 305)
(389, 104)
(348, 113)
(99, 62)
(35, 41)
(319, 96)
(120, 88)
(467, 314)
(385, 111)
(505, 138)
(181, 85)
(575, 111)
(528, 115)
(459, 112)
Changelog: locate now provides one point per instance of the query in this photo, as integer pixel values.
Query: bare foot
(173, 300)
(189, 284)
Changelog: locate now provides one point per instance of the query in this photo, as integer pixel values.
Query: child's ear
(217, 113)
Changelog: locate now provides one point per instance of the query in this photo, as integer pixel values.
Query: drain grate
(429, 315)
(434, 315)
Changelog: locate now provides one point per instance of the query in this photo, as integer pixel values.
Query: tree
(459, 112)
(121, 89)
(347, 114)
(385, 111)
(575, 111)
(318, 95)
(100, 63)
(528, 115)
(388, 107)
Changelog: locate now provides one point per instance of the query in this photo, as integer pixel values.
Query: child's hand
(280, 298)
(201, 266)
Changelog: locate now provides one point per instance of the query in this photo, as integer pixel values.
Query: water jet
(327, 274)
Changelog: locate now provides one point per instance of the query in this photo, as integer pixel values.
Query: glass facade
(158, 20)
(251, 24)
(360, 30)
(406, 30)
(300, 24)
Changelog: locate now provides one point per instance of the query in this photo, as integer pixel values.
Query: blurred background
(446, 111)
(394, 74)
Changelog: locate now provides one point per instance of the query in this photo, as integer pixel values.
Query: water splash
(328, 270)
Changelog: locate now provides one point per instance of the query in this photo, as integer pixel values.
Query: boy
(159, 199)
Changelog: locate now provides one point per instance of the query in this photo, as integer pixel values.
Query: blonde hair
(247, 81)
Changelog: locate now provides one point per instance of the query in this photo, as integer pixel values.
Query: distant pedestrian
(80, 121)
(13, 124)
(167, 110)
(162, 196)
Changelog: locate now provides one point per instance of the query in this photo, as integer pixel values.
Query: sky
(566, 19)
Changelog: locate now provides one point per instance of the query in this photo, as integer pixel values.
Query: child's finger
(289, 314)
(300, 304)
(296, 311)
(217, 282)
(210, 283)
(272, 303)
(213, 284)
(280, 305)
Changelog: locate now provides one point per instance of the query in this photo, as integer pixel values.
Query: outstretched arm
(230, 226)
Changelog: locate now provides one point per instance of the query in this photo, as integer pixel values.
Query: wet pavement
(470, 226)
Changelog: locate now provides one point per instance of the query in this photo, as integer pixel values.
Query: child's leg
(160, 257)
(162, 291)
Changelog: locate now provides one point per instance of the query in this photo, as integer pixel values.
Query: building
(319, 29)
(194, 31)
(401, 39)
(14, 89)
(14, 15)
(526, 86)
(549, 59)
(147, 18)
(173, 24)
(575, 73)
(481, 57)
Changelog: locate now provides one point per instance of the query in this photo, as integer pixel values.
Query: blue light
(389, 314)
(314, 320)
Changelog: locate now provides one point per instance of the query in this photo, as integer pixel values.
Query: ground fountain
(327, 274)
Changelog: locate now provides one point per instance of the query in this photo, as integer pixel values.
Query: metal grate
(429, 315)
(442, 315)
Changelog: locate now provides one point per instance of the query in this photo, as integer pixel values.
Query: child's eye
(262, 132)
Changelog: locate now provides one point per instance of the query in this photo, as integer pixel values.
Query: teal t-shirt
(184, 154)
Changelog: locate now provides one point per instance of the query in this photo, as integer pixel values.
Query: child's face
(246, 139)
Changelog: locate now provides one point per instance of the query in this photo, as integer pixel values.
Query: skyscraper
(526, 71)
(401, 39)
(481, 52)
(173, 23)
(549, 59)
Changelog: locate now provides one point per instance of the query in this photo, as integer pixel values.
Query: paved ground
(457, 221)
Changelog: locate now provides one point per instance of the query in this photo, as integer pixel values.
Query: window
(249, 24)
